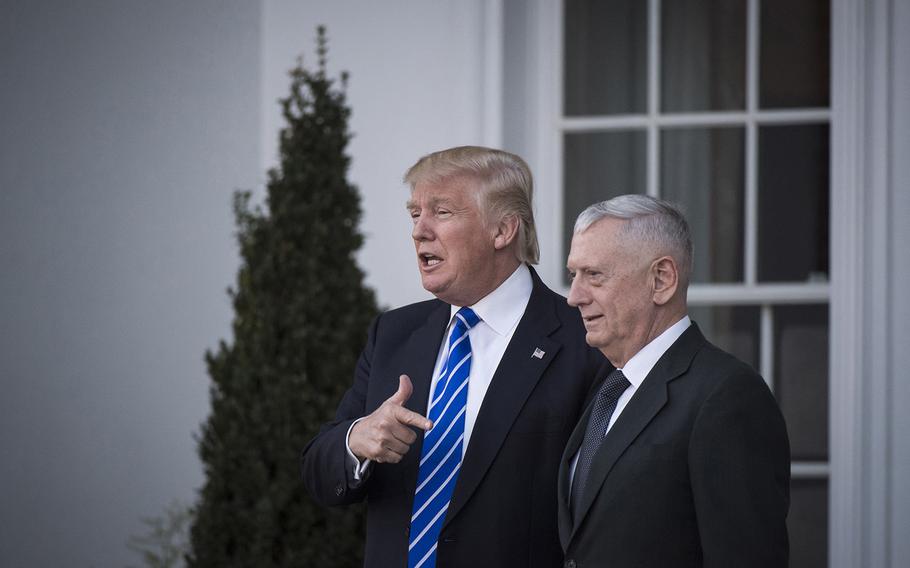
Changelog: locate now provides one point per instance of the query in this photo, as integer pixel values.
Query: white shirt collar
(503, 307)
(638, 367)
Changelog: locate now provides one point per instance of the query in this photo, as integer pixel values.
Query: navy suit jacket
(503, 510)
(695, 471)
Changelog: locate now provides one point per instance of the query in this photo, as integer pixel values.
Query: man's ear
(664, 279)
(505, 232)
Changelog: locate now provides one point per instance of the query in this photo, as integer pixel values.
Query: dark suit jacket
(695, 471)
(503, 510)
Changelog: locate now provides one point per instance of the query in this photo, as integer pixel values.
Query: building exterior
(782, 126)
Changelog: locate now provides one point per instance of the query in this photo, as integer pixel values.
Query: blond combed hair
(506, 187)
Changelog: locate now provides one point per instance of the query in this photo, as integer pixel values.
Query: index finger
(411, 418)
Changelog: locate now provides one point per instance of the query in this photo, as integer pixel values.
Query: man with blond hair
(461, 406)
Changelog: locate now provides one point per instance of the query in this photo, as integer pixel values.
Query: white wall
(417, 85)
(126, 125)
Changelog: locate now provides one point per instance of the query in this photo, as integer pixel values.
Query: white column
(870, 509)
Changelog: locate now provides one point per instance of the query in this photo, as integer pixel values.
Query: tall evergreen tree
(302, 312)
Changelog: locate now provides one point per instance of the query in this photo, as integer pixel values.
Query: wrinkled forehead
(599, 244)
(458, 188)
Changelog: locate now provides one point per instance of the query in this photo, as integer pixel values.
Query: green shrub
(301, 315)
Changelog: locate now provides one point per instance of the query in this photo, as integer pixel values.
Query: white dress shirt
(637, 369)
(499, 313)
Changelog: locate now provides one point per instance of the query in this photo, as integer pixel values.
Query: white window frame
(550, 172)
(864, 435)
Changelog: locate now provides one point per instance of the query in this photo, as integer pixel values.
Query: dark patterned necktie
(604, 405)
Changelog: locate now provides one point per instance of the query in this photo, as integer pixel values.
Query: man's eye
(595, 278)
(443, 212)
(571, 275)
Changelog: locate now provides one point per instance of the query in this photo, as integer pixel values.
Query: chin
(594, 341)
(433, 286)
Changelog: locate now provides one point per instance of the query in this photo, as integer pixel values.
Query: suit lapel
(644, 406)
(578, 434)
(421, 349)
(515, 377)
(572, 446)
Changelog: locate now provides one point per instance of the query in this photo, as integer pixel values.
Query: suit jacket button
(569, 563)
(339, 490)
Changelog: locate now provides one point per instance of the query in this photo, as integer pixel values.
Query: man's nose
(421, 230)
(577, 295)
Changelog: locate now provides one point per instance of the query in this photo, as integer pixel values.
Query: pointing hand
(384, 435)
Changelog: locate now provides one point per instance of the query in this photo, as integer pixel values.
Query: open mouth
(429, 260)
(589, 319)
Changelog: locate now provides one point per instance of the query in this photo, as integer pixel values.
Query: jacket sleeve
(324, 463)
(739, 465)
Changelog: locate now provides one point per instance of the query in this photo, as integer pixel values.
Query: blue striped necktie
(440, 458)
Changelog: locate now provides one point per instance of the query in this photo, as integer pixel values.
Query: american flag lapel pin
(538, 353)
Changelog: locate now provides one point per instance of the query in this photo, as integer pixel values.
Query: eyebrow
(433, 202)
(584, 268)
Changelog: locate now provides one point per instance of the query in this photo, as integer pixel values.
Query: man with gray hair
(461, 406)
(681, 457)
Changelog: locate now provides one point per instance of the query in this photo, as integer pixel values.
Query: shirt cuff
(359, 469)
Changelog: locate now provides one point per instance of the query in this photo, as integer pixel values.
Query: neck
(662, 321)
(504, 269)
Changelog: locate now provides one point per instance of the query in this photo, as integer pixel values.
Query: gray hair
(649, 220)
(505, 181)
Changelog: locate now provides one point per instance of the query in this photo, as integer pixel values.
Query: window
(723, 107)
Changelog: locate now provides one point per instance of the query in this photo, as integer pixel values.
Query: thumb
(404, 391)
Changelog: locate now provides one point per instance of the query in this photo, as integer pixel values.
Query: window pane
(793, 203)
(794, 51)
(801, 377)
(734, 329)
(600, 166)
(605, 57)
(808, 523)
(703, 55)
(702, 169)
